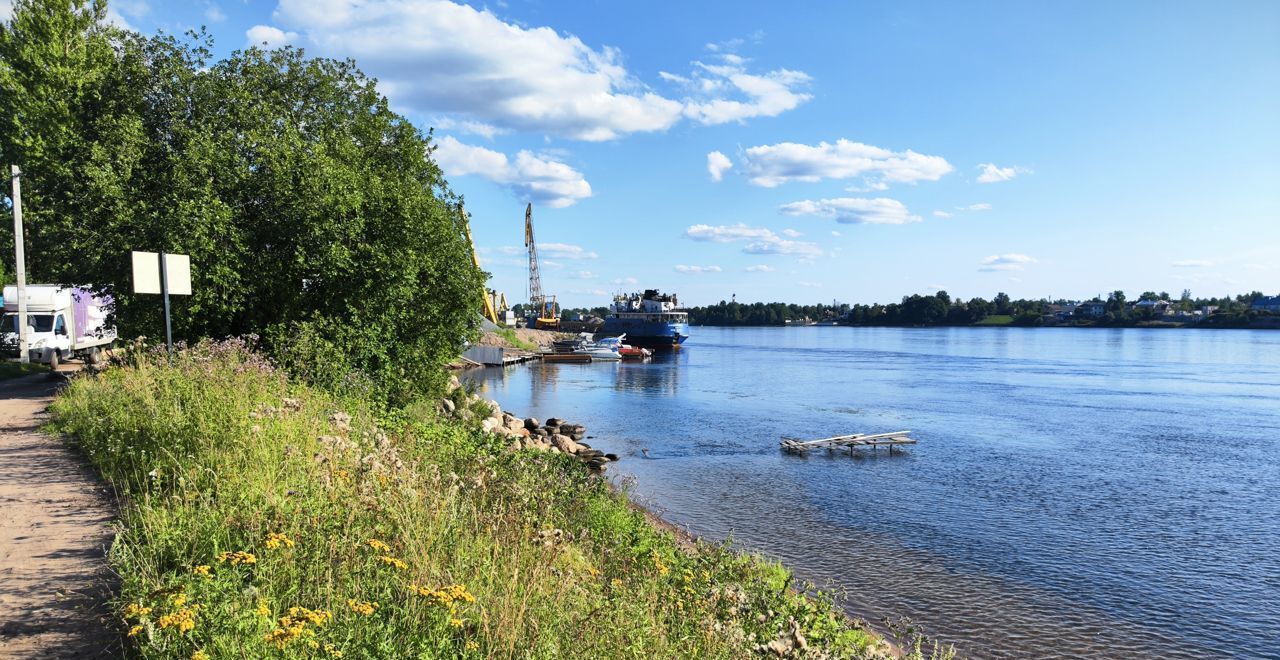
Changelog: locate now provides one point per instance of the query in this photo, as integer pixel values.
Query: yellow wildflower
(332, 650)
(379, 545)
(134, 631)
(657, 563)
(263, 608)
(200, 655)
(472, 645)
(362, 606)
(316, 617)
(238, 557)
(178, 599)
(136, 610)
(201, 570)
(275, 540)
(184, 620)
(392, 561)
(456, 623)
(449, 595)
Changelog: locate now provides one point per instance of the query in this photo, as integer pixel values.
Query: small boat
(627, 351)
(598, 350)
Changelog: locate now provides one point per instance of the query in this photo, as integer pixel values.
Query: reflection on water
(1074, 493)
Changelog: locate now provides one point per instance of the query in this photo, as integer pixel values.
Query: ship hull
(646, 334)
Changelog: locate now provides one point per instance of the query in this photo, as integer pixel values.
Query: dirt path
(54, 532)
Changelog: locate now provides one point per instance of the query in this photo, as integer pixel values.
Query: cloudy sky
(850, 151)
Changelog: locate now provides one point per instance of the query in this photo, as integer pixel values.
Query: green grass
(996, 319)
(509, 335)
(17, 369)
(258, 522)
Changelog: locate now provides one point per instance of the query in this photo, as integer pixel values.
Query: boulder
(554, 422)
(597, 463)
(454, 383)
(611, 457)
(564, 444)
(531, 423)
(448, 406)
(542, 433)
(496, 407)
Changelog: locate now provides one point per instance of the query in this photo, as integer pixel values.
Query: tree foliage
(313, 214)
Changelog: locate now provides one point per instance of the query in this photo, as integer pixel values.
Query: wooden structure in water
(850, 442)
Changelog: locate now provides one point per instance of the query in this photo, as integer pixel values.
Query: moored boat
(650, 319)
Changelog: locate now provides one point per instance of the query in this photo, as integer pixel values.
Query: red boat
(633, 352)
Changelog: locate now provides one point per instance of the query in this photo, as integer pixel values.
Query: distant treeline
(940, 309)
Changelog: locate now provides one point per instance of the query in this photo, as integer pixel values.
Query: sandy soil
(54, 533)
(542, 338)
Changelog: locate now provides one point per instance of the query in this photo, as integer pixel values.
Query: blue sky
(863, 151)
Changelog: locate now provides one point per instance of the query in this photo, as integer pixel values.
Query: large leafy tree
(313, 214)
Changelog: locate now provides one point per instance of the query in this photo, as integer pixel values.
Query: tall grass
(261, 518)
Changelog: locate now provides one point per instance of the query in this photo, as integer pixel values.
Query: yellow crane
(545, 308)
(489, 311)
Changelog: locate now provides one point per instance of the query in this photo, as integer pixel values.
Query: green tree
(313, 214)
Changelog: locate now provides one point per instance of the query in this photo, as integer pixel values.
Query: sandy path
(54, 532)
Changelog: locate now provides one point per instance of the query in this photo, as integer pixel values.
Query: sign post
(164, 274)
(20, 264)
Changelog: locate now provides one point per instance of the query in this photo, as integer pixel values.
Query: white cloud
(773, 165)
(811, 285)
(440, 57)
(759, 268)
(585, 275)
(271, 37)
(566, 251)
(941, 214)
(791, 233)
(626, 281)
(547, 263)
(6, 10)
(1004, 262)
(757, 240)
(214, 14)
(588, 292)
(976, 207)
(853, 210)
(444, 57)
(835, 233)
(1192, 263)
(993, 174)
(766, 95)
(529, 177)
(717, 165)
(469, 126)
(697, 269)
(726, 233)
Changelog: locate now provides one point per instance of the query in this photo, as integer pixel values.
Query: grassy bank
(261, 518)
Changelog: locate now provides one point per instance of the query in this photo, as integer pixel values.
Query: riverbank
(263, 517)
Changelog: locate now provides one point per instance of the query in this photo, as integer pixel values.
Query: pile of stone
(555, 435)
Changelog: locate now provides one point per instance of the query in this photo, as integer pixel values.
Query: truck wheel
(93, 357)
(53, 361)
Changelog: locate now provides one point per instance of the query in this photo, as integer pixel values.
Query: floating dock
(850, 442)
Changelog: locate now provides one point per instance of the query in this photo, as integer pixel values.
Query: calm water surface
(1075, 492)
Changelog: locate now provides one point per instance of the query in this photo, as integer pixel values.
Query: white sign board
(146, 273)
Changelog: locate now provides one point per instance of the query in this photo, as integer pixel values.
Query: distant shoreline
(1269, 324)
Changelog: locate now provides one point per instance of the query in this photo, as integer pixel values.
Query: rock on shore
(555, 435)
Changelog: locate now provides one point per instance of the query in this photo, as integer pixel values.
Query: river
(1074, 492)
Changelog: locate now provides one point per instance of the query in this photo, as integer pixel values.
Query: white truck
(62, 323)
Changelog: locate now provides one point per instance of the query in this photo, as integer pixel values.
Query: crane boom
(546, 314)
(535, 280)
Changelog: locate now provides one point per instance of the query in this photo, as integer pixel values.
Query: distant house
(1268, 305)
(1157, 307)
(1091, 309)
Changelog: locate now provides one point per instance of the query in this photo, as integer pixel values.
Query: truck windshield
(41, 322)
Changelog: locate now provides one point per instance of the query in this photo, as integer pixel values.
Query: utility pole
(20, 264)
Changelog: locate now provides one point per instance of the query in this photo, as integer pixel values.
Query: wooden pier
(850, 442)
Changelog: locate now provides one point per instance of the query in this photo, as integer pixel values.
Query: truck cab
(62, 323)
